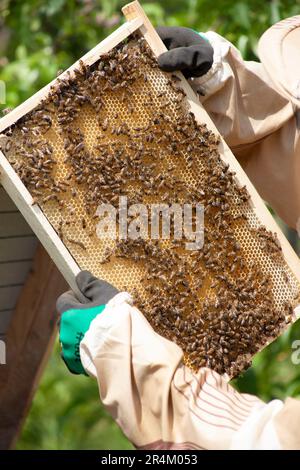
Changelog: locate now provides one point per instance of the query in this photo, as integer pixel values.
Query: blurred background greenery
(39, 38)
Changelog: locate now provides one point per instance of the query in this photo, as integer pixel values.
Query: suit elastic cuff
(213, 79)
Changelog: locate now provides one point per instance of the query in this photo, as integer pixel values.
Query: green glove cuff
(74, 324)
(202, 35)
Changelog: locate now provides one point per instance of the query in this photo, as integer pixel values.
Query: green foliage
(273, 374)
(38, 38)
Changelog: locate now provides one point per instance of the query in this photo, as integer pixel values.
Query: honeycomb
(122, 127)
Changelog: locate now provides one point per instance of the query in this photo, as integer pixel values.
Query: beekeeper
(157, 401)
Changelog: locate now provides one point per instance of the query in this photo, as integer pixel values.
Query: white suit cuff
(99, 329)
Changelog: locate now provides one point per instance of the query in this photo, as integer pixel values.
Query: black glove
(188, 52)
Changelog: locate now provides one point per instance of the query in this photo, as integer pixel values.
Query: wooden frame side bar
(39, 223)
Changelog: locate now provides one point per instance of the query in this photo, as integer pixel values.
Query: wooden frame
(136, 20)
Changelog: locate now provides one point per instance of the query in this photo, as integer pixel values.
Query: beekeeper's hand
(76, 315)
(188, 51)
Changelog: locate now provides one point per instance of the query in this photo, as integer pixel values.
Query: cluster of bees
(220, 331)
(217, 303)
